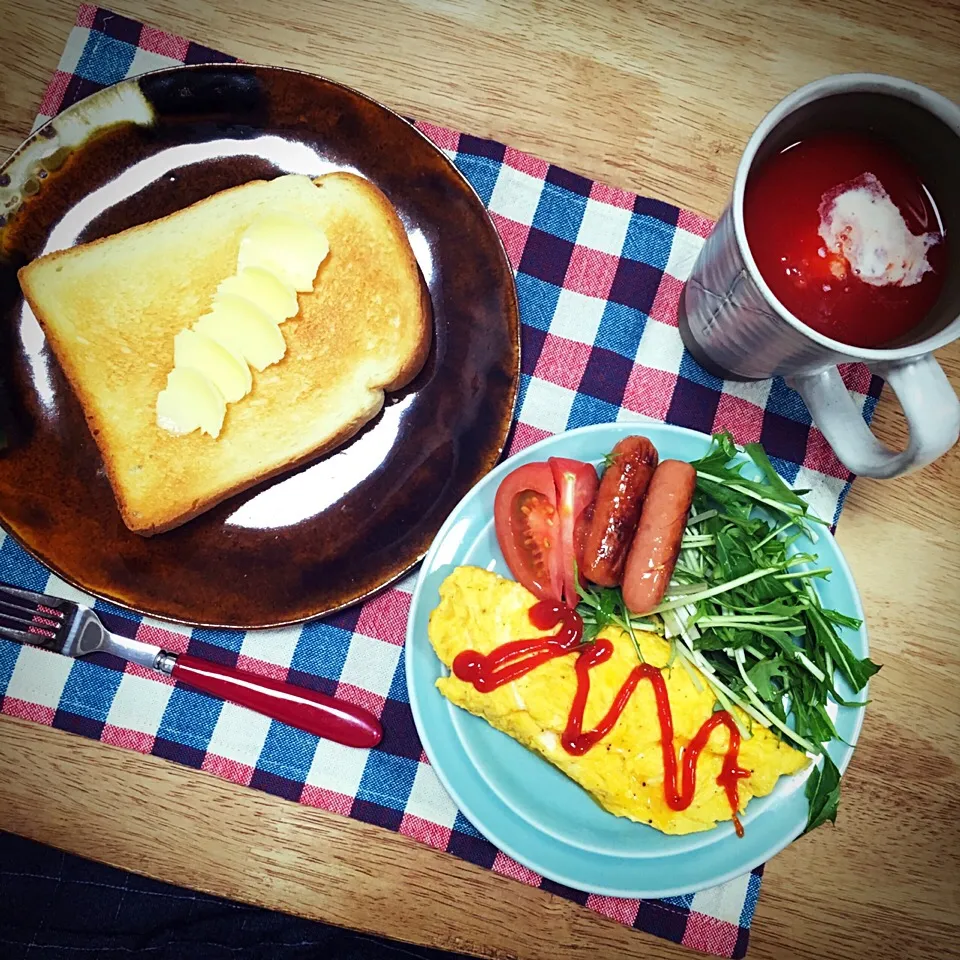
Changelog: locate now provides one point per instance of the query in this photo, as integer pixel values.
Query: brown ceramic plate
(326, 535)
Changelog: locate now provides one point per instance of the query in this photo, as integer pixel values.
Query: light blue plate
(527, 807)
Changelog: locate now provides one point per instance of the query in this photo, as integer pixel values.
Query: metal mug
(736, 328)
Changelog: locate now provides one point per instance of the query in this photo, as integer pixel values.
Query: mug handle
(929, 404)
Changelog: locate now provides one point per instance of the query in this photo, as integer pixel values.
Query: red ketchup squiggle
(512, 660)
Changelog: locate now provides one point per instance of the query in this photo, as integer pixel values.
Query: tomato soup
(847, 237)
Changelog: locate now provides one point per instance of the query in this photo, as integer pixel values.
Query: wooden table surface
(660, 98)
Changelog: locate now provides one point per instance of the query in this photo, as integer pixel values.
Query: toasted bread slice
(111, 309)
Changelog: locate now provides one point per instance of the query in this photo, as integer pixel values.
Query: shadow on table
(54, 906)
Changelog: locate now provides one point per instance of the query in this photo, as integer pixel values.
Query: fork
(62, 626)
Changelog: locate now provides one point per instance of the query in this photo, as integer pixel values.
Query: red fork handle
(306, 709)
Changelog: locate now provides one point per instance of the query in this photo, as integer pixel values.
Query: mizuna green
(743, 611)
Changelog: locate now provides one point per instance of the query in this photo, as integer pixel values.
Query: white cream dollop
(860, 223)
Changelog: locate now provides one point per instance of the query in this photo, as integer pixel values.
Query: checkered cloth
(599, 272)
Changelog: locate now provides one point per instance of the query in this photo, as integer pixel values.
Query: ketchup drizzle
(512, 660)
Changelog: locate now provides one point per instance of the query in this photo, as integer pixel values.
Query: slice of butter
(265, 290)
(190, 402)
(223, 368)
(285, 245)
(244, 329)
(280, 254)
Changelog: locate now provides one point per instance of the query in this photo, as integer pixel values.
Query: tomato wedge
(528, 529)
(576, 484)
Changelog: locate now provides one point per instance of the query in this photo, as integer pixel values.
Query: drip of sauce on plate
(516, 658)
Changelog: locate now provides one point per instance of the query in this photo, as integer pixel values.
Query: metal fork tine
(22, 636)
(19, 607)
(50, 629)
(33, 611)
(43, 598)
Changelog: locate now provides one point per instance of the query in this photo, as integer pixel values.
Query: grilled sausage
(616, 510)
(656, 545)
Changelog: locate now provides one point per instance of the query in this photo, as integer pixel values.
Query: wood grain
(659, 98)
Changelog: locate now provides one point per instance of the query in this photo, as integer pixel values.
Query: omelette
(624, 771)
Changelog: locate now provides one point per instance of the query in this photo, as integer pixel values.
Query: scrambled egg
(623, 772)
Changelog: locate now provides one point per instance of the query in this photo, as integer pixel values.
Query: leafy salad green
(742, 608)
